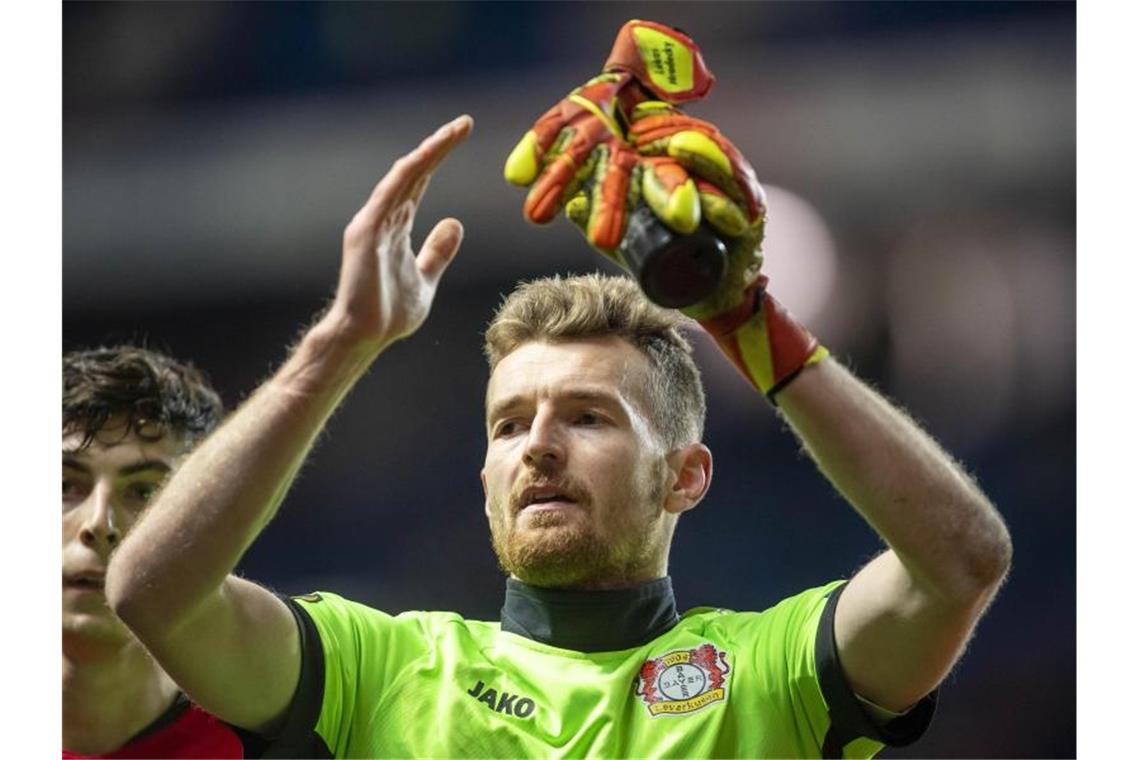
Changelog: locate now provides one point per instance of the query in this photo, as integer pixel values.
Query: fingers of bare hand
(439, 249)
(418, 189)
(399, 223)
(404, 178)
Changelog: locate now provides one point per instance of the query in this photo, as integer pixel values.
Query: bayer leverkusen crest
(683, 680)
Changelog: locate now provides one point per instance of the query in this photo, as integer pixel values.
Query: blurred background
(920, 162)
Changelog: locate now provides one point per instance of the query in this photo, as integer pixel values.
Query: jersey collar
(590, 621)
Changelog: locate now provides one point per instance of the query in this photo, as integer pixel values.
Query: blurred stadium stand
(921, 162)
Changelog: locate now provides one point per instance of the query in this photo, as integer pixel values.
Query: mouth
(545, 498)
(91, 582)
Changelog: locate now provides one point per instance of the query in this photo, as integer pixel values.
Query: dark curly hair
(137, 390)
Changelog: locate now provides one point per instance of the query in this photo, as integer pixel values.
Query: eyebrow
(155, 466)
(604, 397)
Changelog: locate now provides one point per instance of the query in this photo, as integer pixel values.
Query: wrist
(726, 321)
(327, 360)
(764, 341)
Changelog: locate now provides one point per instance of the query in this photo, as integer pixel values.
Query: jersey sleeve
(800, 648)
(348, 653)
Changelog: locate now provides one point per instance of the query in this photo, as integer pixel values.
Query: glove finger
(587, 208)
(599, 95)
(705, 152)
(646, 108)
(609, 205)
(719, 162)
(578, 212)
(671, 193)
(567, 169)
(743, 236)
(527, 158)
(720, 211)
(542, 142)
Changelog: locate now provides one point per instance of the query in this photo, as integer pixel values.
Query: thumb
(439, 249)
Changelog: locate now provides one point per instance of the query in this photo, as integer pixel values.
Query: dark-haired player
(129, 415)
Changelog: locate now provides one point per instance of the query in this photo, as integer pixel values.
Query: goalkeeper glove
(619, 139)
(576, 154)
(751, 327)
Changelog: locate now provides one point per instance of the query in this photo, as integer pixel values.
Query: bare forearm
(218, 501)
(944, 530)
(229, 643)
(178, 556)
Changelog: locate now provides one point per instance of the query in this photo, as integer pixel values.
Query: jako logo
(504, 703)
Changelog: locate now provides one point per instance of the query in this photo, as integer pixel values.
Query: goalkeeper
(594, 416)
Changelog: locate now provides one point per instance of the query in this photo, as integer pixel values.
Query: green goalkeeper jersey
(716, 683)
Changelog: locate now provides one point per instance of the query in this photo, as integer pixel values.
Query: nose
(99, 529)
(544, 444)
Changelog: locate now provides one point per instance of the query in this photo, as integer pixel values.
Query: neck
(111, 692)
(590, 621)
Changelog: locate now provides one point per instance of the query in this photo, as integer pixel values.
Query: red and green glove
(752, 328)
(576, 156)
(620, 139)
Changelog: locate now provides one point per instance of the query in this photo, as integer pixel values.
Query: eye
(590, 418)
(508, 428)
(141, 492)
(74, 490)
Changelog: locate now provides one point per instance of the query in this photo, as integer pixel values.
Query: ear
(691, 467)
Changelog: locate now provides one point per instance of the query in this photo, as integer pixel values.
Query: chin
(100, 626)
(554, 554)
(552, 575)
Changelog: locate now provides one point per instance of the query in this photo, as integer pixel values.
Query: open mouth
(549, 503)
(545, 497)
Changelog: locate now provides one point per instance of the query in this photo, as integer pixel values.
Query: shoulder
(351, 655)
(335, 617)
(804, 608)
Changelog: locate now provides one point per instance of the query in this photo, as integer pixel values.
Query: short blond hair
(556, 309)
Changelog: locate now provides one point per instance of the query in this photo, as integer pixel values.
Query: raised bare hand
(386, 290)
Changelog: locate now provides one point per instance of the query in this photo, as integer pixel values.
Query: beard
(561, 550)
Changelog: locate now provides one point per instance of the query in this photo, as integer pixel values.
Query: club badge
(683, 680)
